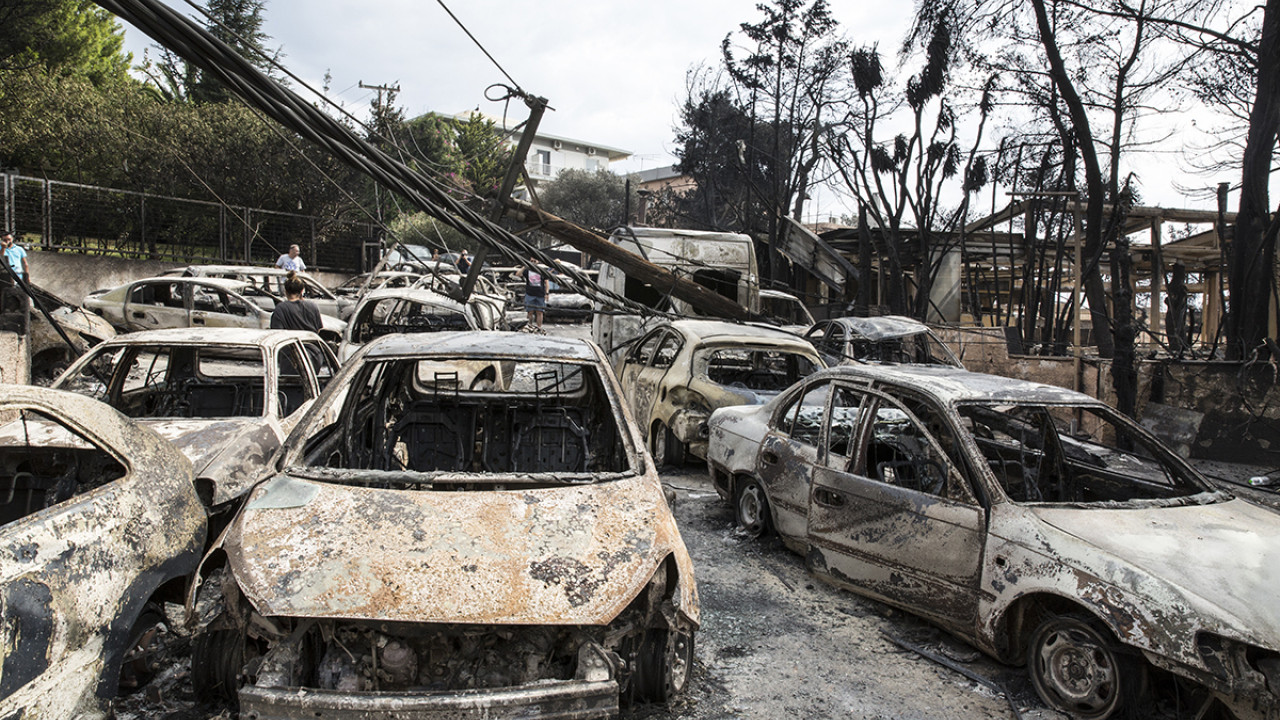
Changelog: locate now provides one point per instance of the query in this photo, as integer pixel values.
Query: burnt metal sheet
(1225, 553)
(571, 700)
(561, 555)
(486, 343)
(233, 452)
(814, 254)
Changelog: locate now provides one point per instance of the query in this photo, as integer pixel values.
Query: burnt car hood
(1227, 554)
(574, 555)
(229, 451)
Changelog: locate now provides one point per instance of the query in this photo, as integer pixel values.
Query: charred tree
(1253, 250)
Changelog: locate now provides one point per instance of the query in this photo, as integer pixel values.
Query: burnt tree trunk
(1095, 189)
(1252, 258)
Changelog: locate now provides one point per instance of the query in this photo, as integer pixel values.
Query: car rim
(751, 508)
(679, 661)
(659, 444)
(1076, 670)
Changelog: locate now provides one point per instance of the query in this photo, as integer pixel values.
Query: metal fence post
(46, 222)
(8, 202)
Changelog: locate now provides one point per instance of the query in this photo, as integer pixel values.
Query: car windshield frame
(445, 398)
(1073, 447)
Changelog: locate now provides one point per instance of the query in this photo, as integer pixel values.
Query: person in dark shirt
(296, 312)
(464, 262)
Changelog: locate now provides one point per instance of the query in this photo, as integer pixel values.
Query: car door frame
(221, 318)
(784, 466)
(160, 316)
(643, 381)
(907, 547)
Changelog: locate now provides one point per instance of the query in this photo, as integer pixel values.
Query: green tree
(596, 200)
(62, 36)
(711, 146)
(238, 23)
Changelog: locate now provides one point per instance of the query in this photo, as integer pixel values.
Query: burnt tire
(663, 665)
(751, 508)
(666, 447)
(1078, 668)
(217, 657)
(138, 665)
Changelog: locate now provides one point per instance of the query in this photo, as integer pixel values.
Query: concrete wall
(15, 360)
(1233, 410)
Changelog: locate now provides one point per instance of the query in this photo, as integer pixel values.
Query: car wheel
(752, 508)
(217, 657)
(1077, 668)
(665, 446)
(138, 665)
(663, 665)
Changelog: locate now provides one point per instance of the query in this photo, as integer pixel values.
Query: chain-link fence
(71, 217)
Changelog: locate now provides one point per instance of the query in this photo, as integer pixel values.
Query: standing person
(16, 256)
(464, 262)
(536, 287)
(295, 313)
(291, 260)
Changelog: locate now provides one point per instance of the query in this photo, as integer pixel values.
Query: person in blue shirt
(16, 257)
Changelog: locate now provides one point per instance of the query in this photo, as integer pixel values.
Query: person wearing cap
(16, 257)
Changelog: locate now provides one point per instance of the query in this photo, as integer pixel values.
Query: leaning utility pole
(377, 190)
(198, 46)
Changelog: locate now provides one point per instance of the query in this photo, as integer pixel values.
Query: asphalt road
(776, 642)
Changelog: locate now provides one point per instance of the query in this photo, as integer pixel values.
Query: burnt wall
(1229, 410)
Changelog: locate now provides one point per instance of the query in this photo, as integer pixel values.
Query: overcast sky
(613, 70)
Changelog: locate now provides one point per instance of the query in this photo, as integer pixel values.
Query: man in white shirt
(291, 260)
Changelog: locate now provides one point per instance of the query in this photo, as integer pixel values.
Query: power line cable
(482, 49)
(201, 48)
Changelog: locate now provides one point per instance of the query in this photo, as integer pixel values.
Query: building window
(541, 165)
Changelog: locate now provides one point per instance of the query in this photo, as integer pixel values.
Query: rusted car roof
(718, 330)
(210, 335)
(484, 342)
(884, 327)
(955, 385)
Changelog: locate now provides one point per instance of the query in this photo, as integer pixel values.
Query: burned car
(404, 310)
(785, 310)
(271, 281)
(887, 339)
(488, 302)
(1034, 522)
(356, 287)
(51, 352)
(101, 524)
(226, 397)
(465, 525)
(179, 302)
(676, 374)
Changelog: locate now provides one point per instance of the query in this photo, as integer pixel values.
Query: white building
(549, 155)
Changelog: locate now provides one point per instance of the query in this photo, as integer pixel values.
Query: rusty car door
(86, 536)
(900, 522)
(787, 455)
(643, 373)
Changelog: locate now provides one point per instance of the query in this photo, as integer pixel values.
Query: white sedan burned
(1034, 522)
